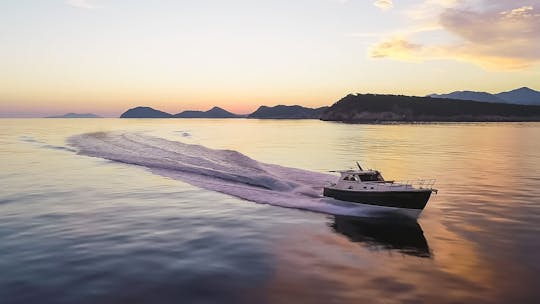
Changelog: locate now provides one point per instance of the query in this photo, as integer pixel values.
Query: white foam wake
(224, 171)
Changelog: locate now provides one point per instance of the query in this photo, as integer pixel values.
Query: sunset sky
(106, 56)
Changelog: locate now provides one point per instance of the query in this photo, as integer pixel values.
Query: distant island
(215, 112)
(521, 104)
(524, 96)
(287, 112)
(263, 112)
(145, 112)
(75, 115)
(367, 108)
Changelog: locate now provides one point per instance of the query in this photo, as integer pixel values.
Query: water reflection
(400, 234)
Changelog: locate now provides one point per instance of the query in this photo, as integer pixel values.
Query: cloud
(494, 35)
(396, 47)
(88, 4)
(384, 4)
(509, 34)
(525, 11)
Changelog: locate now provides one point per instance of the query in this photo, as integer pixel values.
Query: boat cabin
(362, 176)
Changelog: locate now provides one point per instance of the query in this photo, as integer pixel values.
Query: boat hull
(415, 200)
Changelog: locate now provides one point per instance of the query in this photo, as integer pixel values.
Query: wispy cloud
(384, 4)
(396, 47)
(495, 35)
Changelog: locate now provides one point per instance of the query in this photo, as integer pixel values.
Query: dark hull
(396, 199)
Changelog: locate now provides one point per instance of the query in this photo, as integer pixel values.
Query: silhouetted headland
(75, 115)
(369, 108)
(287, 112)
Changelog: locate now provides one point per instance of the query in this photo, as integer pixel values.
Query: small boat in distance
(369, 187)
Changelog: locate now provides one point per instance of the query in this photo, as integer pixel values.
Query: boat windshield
(371, 177)
(364, 177)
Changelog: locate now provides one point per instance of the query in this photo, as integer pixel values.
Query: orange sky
(107, 56)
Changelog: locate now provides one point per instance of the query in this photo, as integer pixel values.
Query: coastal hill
(215, 112)
(287, 112)
(379, 108)
(75, 115)
(470, 95)
(524, 96)
(144, 112)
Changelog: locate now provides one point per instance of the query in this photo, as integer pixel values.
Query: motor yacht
(370, 188)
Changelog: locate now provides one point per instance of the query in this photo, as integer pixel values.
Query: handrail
(407, 184)
(417, 184)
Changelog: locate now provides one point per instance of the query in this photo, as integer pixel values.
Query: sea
(230, 211)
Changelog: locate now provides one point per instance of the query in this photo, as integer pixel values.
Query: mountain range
(516, 105)
(524, 96)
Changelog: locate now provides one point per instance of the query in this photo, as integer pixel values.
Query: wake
(225, 171)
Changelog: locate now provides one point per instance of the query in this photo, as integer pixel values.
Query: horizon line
(115, 115)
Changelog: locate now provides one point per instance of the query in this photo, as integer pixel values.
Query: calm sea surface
(80, 229)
